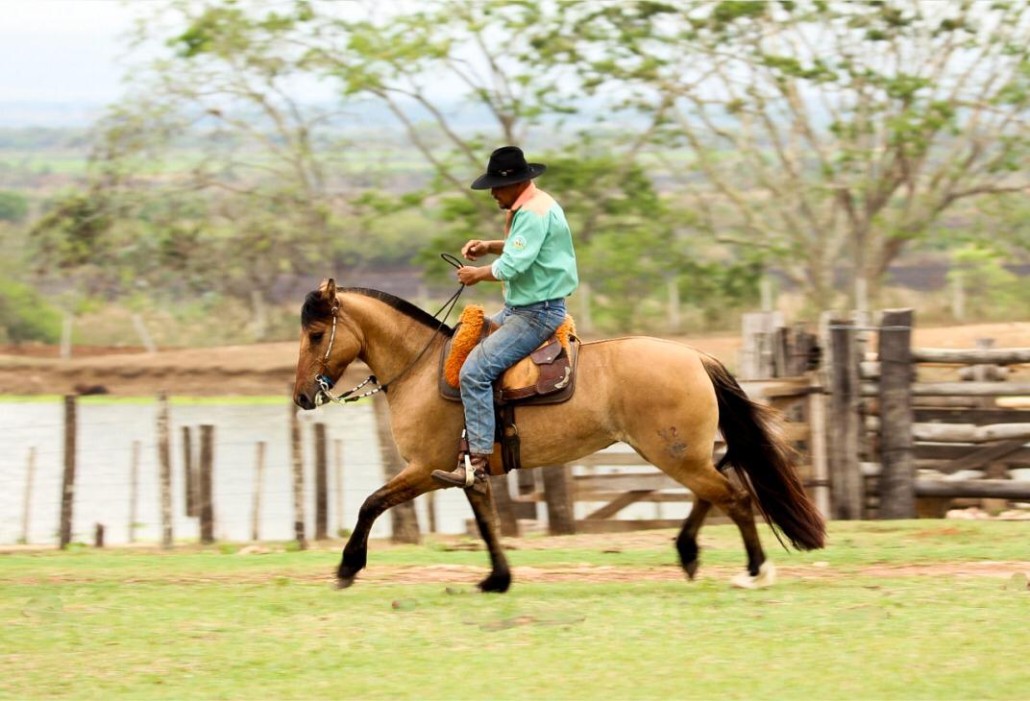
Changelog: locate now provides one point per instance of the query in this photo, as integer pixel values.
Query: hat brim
(491, 180)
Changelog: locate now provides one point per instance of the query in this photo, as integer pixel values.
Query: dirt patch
(466, 576)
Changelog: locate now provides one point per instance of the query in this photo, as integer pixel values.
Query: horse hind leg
(710, 487)
(686, 541)
(716, 488)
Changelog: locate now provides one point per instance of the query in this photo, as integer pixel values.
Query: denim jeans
(522, 330)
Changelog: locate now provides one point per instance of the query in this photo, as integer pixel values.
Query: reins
(325, 383)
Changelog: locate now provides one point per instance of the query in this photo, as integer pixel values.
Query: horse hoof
(344, 583)
(691, 570)
(495, 585)
(766, 577)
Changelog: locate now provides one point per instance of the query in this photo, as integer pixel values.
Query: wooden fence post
(404, 518)
(134, 491)
(560, 516)
(68, 484)
(897, 478)
(338, 480)
(189, 472)
(259, 483)
(206, 507)
(816, 410)
(165, 470)
(98, 535)
(847, 490)
(298, 479)
(26, 505)
(504, 506)
(321, 484)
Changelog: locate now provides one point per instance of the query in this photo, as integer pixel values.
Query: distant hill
(20, 114)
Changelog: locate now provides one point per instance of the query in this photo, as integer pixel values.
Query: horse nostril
(303, 401)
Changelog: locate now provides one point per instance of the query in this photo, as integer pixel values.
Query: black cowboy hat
(507, 166)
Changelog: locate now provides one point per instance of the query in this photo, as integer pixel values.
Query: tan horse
(664, 399)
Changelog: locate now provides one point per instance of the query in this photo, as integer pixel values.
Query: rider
(537, 268)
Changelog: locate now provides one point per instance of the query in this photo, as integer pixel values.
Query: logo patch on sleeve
(518, 243)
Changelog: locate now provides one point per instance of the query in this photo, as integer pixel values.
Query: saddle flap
(547, 353)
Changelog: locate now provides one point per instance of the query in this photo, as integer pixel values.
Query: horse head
(329, 342)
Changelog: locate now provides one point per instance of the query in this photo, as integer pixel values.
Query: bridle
(325, 383)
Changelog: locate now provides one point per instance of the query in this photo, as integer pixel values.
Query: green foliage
(73, 231)
(991, 291)
(25, 315)
(13, 206)
(808, 135)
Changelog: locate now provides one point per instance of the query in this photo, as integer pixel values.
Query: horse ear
(328, 289)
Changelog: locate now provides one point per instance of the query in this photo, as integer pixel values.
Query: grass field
(898, 610)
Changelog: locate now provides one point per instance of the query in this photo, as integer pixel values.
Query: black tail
(755, 446)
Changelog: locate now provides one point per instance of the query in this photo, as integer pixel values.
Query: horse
(664, 399)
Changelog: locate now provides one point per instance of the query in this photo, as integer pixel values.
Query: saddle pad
(469, 332)
(534, 379)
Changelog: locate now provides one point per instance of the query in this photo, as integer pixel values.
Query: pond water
(107, 431)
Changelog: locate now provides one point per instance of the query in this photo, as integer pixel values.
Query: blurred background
(175, 176)
(181, 173)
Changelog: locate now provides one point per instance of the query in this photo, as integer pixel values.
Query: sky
(62, 50)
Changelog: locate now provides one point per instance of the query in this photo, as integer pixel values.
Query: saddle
(545, 376)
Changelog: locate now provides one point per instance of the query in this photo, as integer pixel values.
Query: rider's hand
(470, 275)
(474, 249)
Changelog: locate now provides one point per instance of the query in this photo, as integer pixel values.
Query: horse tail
(755, 445)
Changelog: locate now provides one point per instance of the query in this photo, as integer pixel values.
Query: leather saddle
(545, 376)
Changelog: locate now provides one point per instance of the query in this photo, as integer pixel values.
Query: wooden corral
(920, 428)
(883, 430)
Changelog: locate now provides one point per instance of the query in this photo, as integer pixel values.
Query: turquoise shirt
(538, 262)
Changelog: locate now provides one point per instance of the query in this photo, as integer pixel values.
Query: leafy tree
(252, 200)
(826, 133)
(464, 77)
(26, 316)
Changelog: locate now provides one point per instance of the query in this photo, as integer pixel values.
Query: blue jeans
(522, 331)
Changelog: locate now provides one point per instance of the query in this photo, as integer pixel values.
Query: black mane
(316, 308)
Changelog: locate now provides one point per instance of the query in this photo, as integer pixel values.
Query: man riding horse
(537, 268)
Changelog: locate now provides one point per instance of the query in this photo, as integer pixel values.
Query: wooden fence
(197, 479)
(889, 432)
(915, 428)
(893, 431)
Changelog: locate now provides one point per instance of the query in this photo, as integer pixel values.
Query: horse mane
(316, 308)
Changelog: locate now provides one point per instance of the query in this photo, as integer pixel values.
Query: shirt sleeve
(522, 246)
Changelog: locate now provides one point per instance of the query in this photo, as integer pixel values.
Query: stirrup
(468, 480)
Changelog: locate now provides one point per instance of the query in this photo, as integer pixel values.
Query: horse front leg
(482, 503)
(405, 486)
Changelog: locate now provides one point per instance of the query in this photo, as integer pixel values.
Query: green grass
(208, 623)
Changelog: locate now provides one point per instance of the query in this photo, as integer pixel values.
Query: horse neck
(391, 340)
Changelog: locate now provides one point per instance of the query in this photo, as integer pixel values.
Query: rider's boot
(470, 472)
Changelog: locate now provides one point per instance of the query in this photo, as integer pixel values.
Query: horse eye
(317, 336)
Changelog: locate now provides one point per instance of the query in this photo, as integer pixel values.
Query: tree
(464, 77)
(825, 133)
(254, 198)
